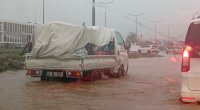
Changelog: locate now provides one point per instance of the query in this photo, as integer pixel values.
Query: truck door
(121, 52)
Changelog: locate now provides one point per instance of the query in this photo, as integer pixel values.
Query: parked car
(190, 67)
(174, 50)
(133, 49)
(178, 49)
(149, 49)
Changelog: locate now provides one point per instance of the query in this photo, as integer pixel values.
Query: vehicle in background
(148, 49)
(174, 50)
(170, 50)
(133, 49)
(162, 48)
(190, 67)
(178, 49)
(67, 52)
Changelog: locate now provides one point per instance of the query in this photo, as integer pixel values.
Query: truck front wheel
(121, 71)
(127, 69)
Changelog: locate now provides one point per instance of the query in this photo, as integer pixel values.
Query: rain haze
(175, 14)
(144, 54)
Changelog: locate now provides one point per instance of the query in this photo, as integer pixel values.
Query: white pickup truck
(70, 51)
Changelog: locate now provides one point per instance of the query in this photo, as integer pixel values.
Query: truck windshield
(120, 41)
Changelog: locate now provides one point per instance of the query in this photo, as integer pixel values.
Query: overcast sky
(175, 14)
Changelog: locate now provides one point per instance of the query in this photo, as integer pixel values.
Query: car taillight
(185, 67)
(31, 72)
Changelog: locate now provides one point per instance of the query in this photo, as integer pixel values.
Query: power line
(136, 19)
(105, 4)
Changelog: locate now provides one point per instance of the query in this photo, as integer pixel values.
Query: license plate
(55, 74)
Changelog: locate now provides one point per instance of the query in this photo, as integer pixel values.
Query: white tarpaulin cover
(61, 40)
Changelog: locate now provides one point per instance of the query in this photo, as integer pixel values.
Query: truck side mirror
(127, 45)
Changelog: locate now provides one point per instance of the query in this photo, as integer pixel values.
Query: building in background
(15, 34)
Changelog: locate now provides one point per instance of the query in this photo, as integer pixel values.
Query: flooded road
(151, 84)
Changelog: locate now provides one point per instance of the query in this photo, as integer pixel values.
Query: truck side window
(120, 41)
(109, 48)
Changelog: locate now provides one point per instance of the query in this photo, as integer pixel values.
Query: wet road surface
(151, 84)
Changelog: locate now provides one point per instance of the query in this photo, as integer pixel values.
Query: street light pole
(136, 20)
(35, 16)
(168, 31)
(106, 3)
(155, 23)
(43, 11)
(105, 14)
(93, 13)
(155, 33)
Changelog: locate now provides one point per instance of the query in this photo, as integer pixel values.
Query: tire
(126, 70)
(121, 71)
(88, 76)
(92, 77)
(98, 75)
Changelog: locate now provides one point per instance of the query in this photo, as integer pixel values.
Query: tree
(132, 38)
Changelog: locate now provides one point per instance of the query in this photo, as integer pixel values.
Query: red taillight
(185, 54)
(186, 99)
(31, 72)
(28, 72)
(185, 67)
(188, 48)
(75, 73)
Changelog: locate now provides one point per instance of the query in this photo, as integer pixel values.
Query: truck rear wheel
(88, 76)
(92, 76)
(95, 75)
(99, 75)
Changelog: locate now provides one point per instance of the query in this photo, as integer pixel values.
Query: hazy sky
(175, 14)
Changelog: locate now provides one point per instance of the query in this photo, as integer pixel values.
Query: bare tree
(132, 38)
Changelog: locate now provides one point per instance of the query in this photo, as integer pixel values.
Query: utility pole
(168, 32)
(43, 11)
(136, 22)
(35, 16)
(93, 12)
(105, 3)
(155, 33)
(155, 23)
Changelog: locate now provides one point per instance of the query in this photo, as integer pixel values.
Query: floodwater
(151, 84)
